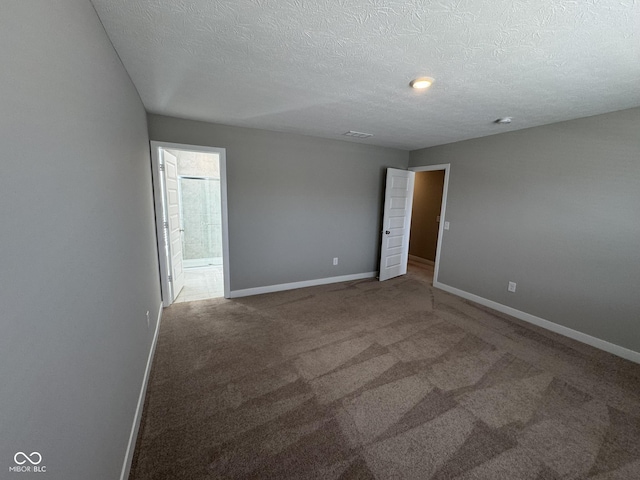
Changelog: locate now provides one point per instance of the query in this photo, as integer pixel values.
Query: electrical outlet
(148, 320)
(512, 286)
(446, 225)
(335, 260)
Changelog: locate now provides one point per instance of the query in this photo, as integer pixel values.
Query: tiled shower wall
(201, 217)
(197, 164)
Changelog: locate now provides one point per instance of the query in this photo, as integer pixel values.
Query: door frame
(159, 194)
(443, 208)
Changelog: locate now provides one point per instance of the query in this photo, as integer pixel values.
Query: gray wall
(79, 262)
(555, 209)
(295, 202)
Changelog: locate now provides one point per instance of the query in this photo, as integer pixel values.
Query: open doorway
(397, 220)
(191, 218)
(427, 218)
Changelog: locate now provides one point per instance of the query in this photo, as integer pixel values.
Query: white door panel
(173, 219)
(396, 223)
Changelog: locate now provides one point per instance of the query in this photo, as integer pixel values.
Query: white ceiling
(324, 67)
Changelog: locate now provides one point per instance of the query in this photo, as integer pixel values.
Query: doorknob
(387, 232)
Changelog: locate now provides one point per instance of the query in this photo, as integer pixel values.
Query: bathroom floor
(201, 283)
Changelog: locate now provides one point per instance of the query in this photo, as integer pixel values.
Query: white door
(174, 234)
(396, 223)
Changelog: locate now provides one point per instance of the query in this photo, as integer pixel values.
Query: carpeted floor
(391, 380)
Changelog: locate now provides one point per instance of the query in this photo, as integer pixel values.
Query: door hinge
(166, 224)
(170, 278)
(161, 167)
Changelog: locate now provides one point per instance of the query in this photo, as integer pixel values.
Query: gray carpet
(392, 380)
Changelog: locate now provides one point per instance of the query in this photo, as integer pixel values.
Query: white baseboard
(128, 458)
(413, 258)
(307, 283)
(541, 322)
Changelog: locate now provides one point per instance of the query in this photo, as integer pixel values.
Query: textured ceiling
(324, 67)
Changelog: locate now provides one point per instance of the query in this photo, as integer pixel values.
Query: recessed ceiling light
(421, 83)
(504, 120)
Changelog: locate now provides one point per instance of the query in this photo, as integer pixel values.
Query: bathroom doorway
(190, 186)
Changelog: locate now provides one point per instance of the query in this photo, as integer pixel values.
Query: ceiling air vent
(504, 120)
(351, 133)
